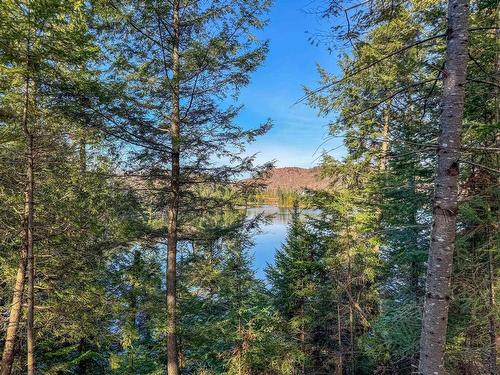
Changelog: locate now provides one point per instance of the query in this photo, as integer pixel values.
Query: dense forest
(124, 244)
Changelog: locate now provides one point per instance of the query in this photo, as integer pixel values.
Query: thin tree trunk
(241, 341)
(31, 259)
(414, 276)
(351, 336)
(383, 162)
(240, 345)
(82, 145)
(491, 259)
(302, 332)
(338, 363)
(30, 174)
(16, 306)
(349, 291)
(385, 139)
(173, 210)
(445, 208)
(492, 322)
(14, 316)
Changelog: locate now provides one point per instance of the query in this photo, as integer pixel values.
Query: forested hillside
(294, 179)
(124, 247)
(283, 186)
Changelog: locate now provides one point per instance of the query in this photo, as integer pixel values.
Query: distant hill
(294, 179)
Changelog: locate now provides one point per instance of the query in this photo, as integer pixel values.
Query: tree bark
(445, 207)
(173, 209)
(14, 316)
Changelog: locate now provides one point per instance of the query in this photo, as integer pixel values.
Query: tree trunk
(492, 322)
(31, 260)
(349, 292)
(445, 208)
(82, 153)
(239, 345)
(351, 336)
(338, 361)
(16, 306)
(385, 139)
(383, 164)
(414, 277)
(491, 259)
(173, 209)
(30, 256)
(302, 335)
(14, 316)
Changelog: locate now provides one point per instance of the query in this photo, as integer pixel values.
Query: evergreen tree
(227, 323)
(42, 41)
(295, 286)
(180, 60)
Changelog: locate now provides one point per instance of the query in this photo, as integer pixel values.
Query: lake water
(272, 234)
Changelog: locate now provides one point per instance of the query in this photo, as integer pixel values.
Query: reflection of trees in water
(276, 215)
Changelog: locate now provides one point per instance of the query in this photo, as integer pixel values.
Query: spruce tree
(226, 321)
(294, 284)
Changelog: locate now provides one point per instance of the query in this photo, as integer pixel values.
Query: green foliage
(227, 323)
(389, 78)
(346, 289)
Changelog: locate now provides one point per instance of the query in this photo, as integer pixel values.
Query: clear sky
(278, 84)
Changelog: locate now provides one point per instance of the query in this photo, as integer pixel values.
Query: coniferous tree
(181, 59)
(226, 321)
(42, 40)
(294, 281)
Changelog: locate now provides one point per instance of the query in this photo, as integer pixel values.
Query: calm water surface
(272, 234)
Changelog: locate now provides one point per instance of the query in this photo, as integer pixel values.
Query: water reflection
(272, 235)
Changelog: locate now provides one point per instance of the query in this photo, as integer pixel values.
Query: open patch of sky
(278, 84)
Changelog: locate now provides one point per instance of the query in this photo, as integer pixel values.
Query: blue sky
(278, 84)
